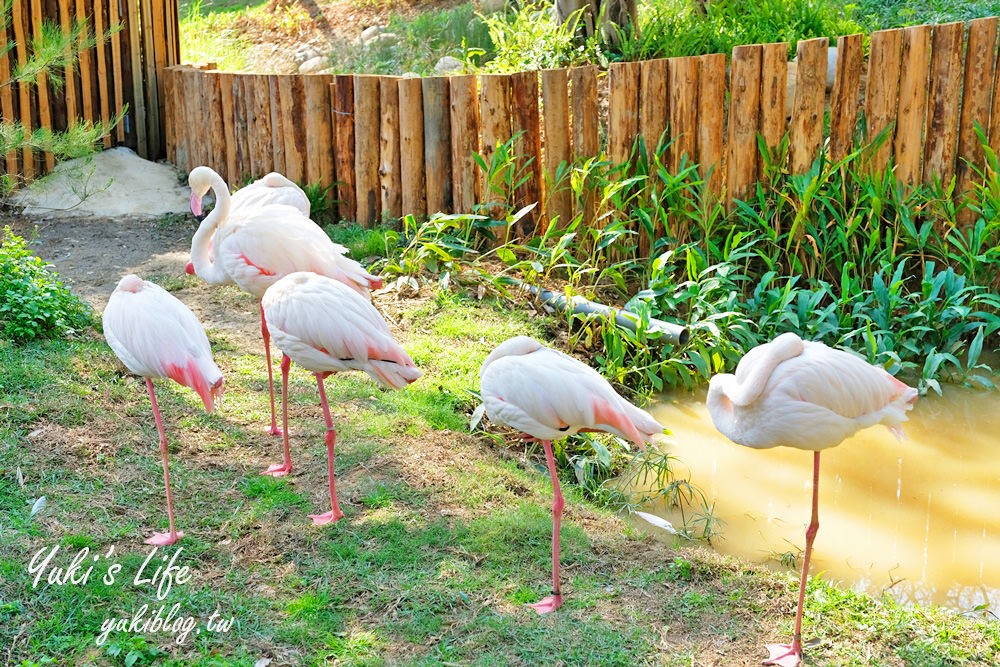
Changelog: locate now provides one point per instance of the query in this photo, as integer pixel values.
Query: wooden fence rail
(120, 69)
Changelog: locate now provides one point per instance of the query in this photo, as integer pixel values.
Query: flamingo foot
(274, 430)
(278, 470)
(328, 517)
(547, 605)
(783, 655)
(164, 539)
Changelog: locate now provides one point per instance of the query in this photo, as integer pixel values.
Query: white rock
(371, 32)
(384, 39)
(314, 65)
(448, 64)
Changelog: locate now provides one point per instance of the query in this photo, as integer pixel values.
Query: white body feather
(549, 395)
(324, 326)
(155, 335)
(803, 394)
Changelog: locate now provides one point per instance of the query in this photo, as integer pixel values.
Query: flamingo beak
(189, 269)
(195, 204)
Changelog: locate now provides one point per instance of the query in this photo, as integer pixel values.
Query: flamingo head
(515, 346)
(129, 283)
(200, 181)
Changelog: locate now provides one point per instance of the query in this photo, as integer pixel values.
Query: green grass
(445, 537)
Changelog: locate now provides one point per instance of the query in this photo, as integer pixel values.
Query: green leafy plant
(34, 303)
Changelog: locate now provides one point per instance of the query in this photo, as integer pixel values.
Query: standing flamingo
(796, 393)
(272, 188)
(547, 395)
(257, 247)
(155, 336)
(326, 327)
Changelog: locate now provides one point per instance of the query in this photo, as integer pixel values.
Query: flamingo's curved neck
(204, 266)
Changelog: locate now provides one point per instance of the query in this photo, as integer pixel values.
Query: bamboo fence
(121, 69)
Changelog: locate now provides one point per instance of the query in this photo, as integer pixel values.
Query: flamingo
(803, 394)
(256, 247)
(547, 395)
(326, 327)
(272, 188)
(155, 336)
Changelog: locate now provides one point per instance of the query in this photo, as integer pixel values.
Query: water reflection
(919, 519)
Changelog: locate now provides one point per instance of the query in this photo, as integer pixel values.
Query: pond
(918, 519)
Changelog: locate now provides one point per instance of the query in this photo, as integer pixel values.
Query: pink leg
(554, 601)
(331, 438)
(285, 467)
(163, 539)
(783, 654)
(270, 373)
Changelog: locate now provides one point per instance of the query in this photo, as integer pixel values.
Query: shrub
(34, 303)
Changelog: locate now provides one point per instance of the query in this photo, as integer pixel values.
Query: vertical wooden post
(23, 88)
(366, 148)
(293, 129)
(437, 143)
(555, 104)
(526, 128)
(943, 95)
(744, 110)
(653, 104)
(908, 144)
(806, 128)
(319, 133)
(116, 68)
(227, 101)
(980, 68)
(881, 93)
(411, 148)
(138, 111)
(623, 110)
(390, 183)
(100, 53)
(276, 126)
(464, 142)
(343, 142)
(586, 138)
(844, 99)
(494, 114)
(773, 85)
(711, 119)
(7, 104)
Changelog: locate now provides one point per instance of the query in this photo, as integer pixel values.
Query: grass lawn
(446, 533)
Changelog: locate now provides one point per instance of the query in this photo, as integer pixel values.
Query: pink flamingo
(326, 327)
(796, 393)
(155, 336)
(256, 247)
(548, 395)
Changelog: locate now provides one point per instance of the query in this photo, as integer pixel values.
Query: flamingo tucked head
(129, 283)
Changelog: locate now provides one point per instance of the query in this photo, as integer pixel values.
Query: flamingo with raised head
(326, 327)
(272, 188)
(256, 247)
(548, 395)
(804, 394)
(156, 336)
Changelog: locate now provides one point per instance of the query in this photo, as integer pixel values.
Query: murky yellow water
(918, 518)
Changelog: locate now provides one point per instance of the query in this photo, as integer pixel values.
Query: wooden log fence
(122, 69)
(392, 146)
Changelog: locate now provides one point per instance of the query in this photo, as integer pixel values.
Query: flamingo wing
(272, 188)
(325, 326)
(155, 335)
(548, 395)
(259, 247)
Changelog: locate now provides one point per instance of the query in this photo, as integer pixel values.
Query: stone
(314, 65)
(448, 64)
(370, 33)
